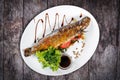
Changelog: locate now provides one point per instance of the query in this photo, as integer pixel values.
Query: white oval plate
(91, 39)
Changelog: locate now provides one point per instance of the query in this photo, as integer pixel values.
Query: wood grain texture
(64, 2)
(1, 39)
(31, 9)
(51, 3)
(102, 66)
(16, 14)
(118, 43)
(13, 68)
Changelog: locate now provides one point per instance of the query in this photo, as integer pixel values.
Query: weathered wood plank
(80, 74)
(13, 64)
(51, 3)
(31, 9)
(56, 78)
(64, 2)
(118, 43)
(1, 38)
(102, 66)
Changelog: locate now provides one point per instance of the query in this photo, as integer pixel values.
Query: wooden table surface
(16, 14)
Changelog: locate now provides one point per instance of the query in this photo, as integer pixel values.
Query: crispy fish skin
(61, 36)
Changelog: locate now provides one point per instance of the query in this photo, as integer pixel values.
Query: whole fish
(59, 36)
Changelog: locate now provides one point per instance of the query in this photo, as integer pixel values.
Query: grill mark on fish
(60, 36)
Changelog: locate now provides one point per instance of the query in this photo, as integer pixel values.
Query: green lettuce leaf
(49, 58)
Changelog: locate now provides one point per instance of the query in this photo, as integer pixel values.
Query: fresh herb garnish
(50, 58)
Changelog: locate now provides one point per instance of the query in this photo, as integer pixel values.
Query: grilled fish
(59, 36)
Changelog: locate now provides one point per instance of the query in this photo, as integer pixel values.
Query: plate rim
(43, 12)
